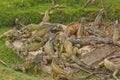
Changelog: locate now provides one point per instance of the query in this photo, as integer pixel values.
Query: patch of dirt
(94, 57)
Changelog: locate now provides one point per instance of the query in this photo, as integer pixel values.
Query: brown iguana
(94, 31)
(116, 33)
(112, 66)
(18, 24)
(81, 28)
(71, 29)
(33, 63)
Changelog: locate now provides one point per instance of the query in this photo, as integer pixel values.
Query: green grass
(29, 11)
(9, 74)
(6, 54)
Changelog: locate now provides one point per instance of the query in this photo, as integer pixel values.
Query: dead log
(46, 17)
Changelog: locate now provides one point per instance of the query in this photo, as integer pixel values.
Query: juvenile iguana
(99, 19)
(18, 24)
(112, 66)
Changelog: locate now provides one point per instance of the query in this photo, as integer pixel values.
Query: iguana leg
(23, 70)
(36, 70)
(93, 43)
(53, 75)
(61, 50)
(106, 77)
(58, 76)
(101, 64)
(114, 74)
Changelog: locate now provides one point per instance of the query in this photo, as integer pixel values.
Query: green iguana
(28, 47)
(11, 34)
(33, 63)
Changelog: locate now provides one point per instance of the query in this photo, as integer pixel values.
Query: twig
(86, 4)
(89, 75)
(46, 17)
(83, 69)
(102, 4)
(2, 62)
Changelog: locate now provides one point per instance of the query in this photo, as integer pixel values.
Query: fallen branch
(46, 17)
(90, 73)
(86, 4)
(2, 62)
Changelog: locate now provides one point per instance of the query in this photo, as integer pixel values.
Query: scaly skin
(17, 24)
(112, 66)
(99, 19)
(48, 47)
(49, 50)
(29, 47)
(95, 31)
(10, 34)
(91, 40)
(57, 71)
